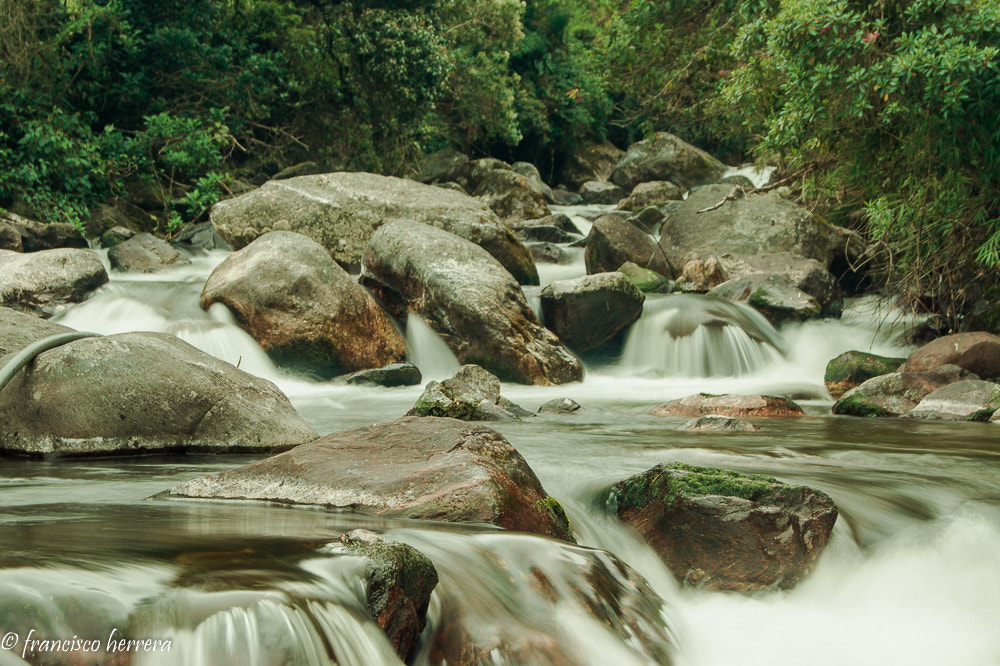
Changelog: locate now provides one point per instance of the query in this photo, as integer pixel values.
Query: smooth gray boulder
(747, 225)
(853, 368)
(468, 298)
(560, 406)
(442, 166)
(774, 296)
(135, 393)
(144, 253)
(511, 196)
(896, 393)
(666, 157)
(614, 240)
(414, 467)
(303, 309)
(18, 330)
(341, 211)
(772, 282)
(37, 236)
(964, 400)
(530, 171)
(589, 311)
(39, 282)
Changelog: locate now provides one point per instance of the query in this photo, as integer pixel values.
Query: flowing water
(911, 576)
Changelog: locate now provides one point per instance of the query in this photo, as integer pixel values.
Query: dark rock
(41, 281)
(544, 234)
(472, 394)
(964, 400)
(977, 352)
(203, 236)
(18, 330)
(10, 237)
(563, 197)
(853, 368)
(703, 404)
(716, 423)
(300, 169)
(666, 157)
(341, 212)
(748, 225)
(442, 166)
(136, 393)
(645, 280)
(38, 236)
(588, 311)
(985, 314)
(896, 393)
(649, 218)
(592, 162)
(724, 530)
(302, 308)
(147, 195)
(121, 213)
(614, 240)
(559, 220)
(469, 300)
(600, 192)
(548, 253)
(560, 406)
(399, 580)
(144, 253)
(424, 468)
(394, 374)
(651, 193)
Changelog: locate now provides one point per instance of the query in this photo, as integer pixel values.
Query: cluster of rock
(952, 378)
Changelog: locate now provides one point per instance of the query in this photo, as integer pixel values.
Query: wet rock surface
(39, 282)
(703, 404)
(896, 393)
(853, 368)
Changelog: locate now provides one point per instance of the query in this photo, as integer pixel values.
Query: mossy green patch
(390, 564)
(557, 513)
(859, 405)
(858, 367)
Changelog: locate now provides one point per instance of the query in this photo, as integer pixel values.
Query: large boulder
(896, 393)
(399, 580)
(589, 311)
(591, 162)
(977, 352)
(41, 281)
(746, 225)
(614, 240)
(774, 296)
(37, 236)
(18, 330)
(704, 404)
(144, 253)
(138, 393)
(648, 194)
(530, 171)
(341, 211)
(468, 299)
(788, 273)
(302, 308)
(666, 157)
(394, 374)
(964, 400)
(724, 530)
(853, 368)
(511, 196)
(10, 238)
(414, 467)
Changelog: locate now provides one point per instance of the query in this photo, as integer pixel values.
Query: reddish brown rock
(977, 352)
(703, 404)
(430, 468)
(724, 530)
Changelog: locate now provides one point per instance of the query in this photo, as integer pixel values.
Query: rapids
(910, 578)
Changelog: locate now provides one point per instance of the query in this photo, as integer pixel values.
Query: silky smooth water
(910, 578)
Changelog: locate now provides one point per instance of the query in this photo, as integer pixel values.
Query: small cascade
(222, 338)
(690, 335)
(427, 351)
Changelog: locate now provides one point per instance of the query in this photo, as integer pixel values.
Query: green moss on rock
(859, 405)
(555, 510)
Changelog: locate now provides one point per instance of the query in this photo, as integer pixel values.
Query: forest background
(884, 116)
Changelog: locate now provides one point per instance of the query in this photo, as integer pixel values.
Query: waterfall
(426, 350)
(700, 336)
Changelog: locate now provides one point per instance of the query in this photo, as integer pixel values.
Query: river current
(911, 576)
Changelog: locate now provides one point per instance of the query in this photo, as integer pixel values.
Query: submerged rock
(853, 368)
(560, 406)
(977, 352)
(472, 394)
(468, 298)
(394, 374)
(341, 211)
(704, 404)
(725, 530)
(144, 253)
(39, 282)
(426, 468)
(399, 580)
(896, 393)
(964, 400)
(589, 311)
(302, 308)
(136, 393)
(717, 423)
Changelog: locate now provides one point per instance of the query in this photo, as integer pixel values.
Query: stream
(911, 576)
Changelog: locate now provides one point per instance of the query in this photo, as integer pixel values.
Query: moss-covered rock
(647, 281)
(853, 368)
(723, 529)
(896, 393)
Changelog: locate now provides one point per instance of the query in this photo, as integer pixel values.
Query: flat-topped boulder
(341, 212)
(18, 330)
(977, 352)
(414, 467)
(39, 282)
(704, 404)
(666, 157)
(896, 393)
(964, 400)
(468, 298)
(724, 530)
(135, 393)
(144, 253)
(303, 309)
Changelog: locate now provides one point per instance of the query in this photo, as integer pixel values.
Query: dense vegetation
(881, 114)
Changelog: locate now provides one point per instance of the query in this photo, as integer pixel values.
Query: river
(911, 576)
